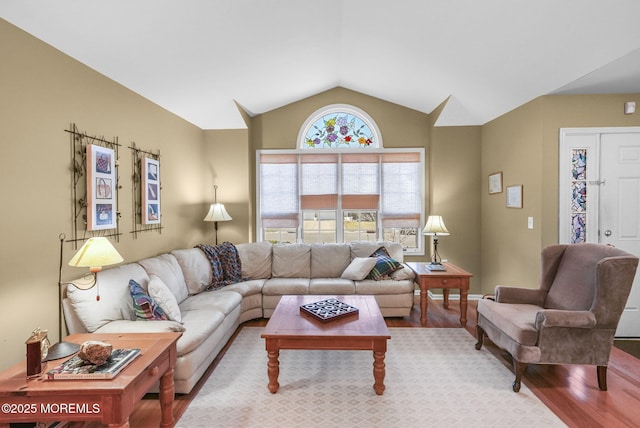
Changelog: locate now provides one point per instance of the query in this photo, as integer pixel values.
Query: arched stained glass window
(339, 126)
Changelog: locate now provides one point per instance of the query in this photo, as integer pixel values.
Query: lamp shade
(95, 253)
(435, 226)
(217, 212)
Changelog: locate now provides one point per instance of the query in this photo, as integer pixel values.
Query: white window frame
(419, 250)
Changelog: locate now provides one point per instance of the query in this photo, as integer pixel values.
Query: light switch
(530, 222)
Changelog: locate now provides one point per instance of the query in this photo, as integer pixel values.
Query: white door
(612, 189)
(620, 210)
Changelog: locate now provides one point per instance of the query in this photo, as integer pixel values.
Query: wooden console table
(452, 277)
(107, 401)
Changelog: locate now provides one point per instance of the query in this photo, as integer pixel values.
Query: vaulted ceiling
(198, 58)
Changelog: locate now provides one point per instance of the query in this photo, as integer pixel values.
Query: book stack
(76, 368)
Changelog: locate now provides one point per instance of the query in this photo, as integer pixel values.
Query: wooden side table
(107, 401)
(452, 277)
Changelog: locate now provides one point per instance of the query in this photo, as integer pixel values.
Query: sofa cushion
(384, 266)
(329, 260)
(291, 261)
(198, 324)
(282, 286)
(359, 268)
(144, 306)
(221, 300)
(115, 299)
(128, 326)
(255, 259)
(331, 286)
(384, 286)
(247, 288)
(166, 267)
(403, 273)
(161, 294)
(195, 268)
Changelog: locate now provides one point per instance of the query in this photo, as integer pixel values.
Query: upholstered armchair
(571, 318)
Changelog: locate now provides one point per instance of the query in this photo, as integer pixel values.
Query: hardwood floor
(571, 392)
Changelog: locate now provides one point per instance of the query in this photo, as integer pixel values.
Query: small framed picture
(101, 188)
(495, 183)
(514, 196)
(150, 191)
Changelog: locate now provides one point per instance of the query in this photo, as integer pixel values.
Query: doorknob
(607, 232)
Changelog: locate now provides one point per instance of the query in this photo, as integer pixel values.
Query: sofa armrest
(563, 318)
(128, 326)
(404, 273)
(531, 296)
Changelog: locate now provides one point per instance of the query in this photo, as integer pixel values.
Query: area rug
(434, 377)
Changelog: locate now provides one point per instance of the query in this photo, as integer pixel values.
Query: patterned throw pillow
(385, 265)
(144, 306)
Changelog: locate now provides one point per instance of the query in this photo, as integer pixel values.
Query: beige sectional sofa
(208, 319)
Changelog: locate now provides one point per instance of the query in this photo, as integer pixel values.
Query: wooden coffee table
(288, 328)
(107, 401)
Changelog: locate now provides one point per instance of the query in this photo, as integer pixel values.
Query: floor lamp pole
(61, 349)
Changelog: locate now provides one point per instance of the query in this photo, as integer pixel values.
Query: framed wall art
(514, 196)
(150, 188)
(495, 183)
(101, 188)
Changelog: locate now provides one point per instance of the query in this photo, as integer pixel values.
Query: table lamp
(435, 227)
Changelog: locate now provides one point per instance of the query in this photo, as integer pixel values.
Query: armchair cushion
(515, 320)
(519, 295)
(560, 318)
(574, 285)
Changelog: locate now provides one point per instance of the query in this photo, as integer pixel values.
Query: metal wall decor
(94, 186)
(146, 190)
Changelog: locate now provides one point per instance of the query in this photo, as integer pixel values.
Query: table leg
(166, 396)
(445, 296)
(379, 368)
(463, 307)
(423, 305)
(273, 365)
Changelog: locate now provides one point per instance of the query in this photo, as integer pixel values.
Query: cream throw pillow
(159, 292)
(359, 268)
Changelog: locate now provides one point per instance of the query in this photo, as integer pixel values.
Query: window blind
(401, 190)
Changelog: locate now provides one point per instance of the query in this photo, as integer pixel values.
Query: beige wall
(227, 157)
(41, 92)
(456, 186)
(524, 145)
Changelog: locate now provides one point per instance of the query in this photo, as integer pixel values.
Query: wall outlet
(530, 222)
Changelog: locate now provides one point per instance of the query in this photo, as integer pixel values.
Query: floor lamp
(95, 253)
(435, 227)
(217, 212)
